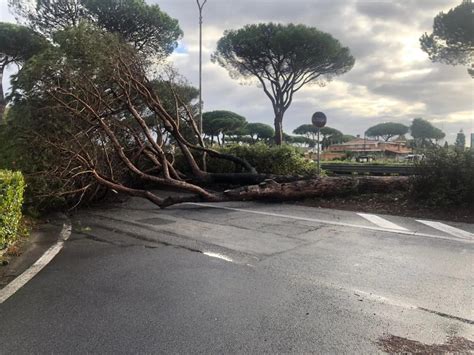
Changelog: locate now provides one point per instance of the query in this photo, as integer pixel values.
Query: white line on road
(393, 302)
(44, 260)
(382, 299)
(327, 222)
(381, 222)
(448, 229)
(218, 256)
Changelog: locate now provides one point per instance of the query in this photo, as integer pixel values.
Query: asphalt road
(245, 278)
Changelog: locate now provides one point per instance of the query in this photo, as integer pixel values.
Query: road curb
(12, 287)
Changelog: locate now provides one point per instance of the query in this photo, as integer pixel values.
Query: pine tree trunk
(301, 189)
(278, 128)
(3, 103)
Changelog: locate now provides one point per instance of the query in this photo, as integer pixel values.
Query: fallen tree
(301, 189)
(102, 125)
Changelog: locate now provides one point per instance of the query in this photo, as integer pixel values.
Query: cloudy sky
(392, 80)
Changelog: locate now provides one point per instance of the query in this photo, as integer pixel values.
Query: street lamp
(319, 120)
(200, 6)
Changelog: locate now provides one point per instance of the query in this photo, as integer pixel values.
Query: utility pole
(319, 120)
(319, 153)
(200, 6)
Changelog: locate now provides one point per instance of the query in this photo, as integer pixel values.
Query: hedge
(12, 186)
(445, 178)
(279, 160)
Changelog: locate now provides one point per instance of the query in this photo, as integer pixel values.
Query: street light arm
(200, 6)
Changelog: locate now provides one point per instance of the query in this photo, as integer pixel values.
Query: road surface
(245, 277)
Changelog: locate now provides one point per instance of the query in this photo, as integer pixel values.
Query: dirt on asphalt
(397, 345)
(396, 203)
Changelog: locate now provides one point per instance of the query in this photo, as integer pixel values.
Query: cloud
(386, 11)
(392, 79)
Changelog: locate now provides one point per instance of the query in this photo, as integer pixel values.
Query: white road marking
(381, 222)
(328, 222)
(448, 229)
(44, 260)
(383, 299)
(393, 302)
(218, 256)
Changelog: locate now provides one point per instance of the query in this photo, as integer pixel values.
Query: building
(367, 147)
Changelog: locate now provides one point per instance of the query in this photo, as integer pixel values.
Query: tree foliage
(452, 40)
(347, 137)
(12, 185)
(170, 90)
(299, 140)
(280, 160)
(387, 130)
(329, 135)
(307, 130)
(424, 133)
(146, 27)
(17, 44)
(91, 99)
(282, 58)
(220, 122)
(260, 131)
(49, 16)
(445, 178)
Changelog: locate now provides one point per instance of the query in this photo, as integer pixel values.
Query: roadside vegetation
(277, 160)
(445, 178)
(12, 186)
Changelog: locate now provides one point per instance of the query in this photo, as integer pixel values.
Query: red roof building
(363, 146)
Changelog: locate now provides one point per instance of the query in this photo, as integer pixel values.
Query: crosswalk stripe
(316, 220)
(447, 229)
(381, 222)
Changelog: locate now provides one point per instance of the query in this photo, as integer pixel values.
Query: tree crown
(282, 58)
(452, 40)
(387, 130)
(306, 129)
(295, 53)
(330, 132)
(144, 26)
(19, 43)
(221, 121)
(261, 130)
(422, 129)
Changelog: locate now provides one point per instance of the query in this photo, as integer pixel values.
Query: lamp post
(200, 6)
(319, 120)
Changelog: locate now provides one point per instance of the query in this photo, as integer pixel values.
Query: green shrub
(445, 178)
(12, 186)
(279, 160)
(20, 151)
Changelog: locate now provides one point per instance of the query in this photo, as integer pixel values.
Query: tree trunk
(3, 103)
(319, 187)
(301, 189)
(241, 179)
(278, 128)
